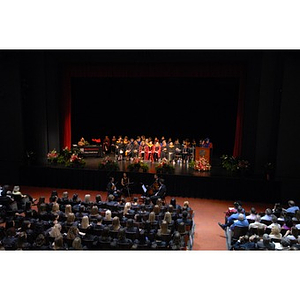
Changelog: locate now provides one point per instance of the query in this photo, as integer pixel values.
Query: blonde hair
(126, 208)
(58, 242)
(76, 244)
(108, 214)
(68, 209)
(85, 222)
(151, 216)
(168, 217)
(55, 207)
(186, 204)
(159, 202)
(87, 197)
(55, 231)
(275, 230)
(164, 227)
(71, 218)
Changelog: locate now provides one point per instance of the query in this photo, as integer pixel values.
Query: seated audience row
(273, 229)
(69, 223)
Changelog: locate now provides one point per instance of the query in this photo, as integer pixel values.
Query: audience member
(275, 233)
(274, 222)
(292, 234)
(257, 223)
(266, 243)
(267, 216)
(231, 218)
(252, 215)
(240, 222)
(177, 243)
(292, 207)
(77, 245)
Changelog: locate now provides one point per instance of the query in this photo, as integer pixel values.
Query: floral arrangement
(200, 165)
(52, 156)
(136, 165)
(234, 164)
(75, 161)
(229, 162)
(67, 158)
(165, 167)
(107, 164)
(66, 153)
(243, 164)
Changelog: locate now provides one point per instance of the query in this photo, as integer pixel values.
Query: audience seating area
(66, 222)
(276, 228)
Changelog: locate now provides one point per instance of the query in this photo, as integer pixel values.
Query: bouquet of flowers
(165, 167)
(52, 156)
(229, 162)
(107, 164)
(75, 161)
(67, 158)
(64, 156)
(234, 164)
(201, 165)
(136, 165)
(243, 165)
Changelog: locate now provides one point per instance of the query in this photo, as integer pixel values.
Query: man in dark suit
(162, 190)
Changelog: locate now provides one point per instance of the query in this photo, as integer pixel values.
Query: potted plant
(137, 165)
(75, 161)
(107, 164)
(229, 163)
(165, 167)
(52, 157)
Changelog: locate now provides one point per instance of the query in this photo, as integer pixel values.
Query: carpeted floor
(207, 214)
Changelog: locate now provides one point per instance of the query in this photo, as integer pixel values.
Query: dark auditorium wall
(269, 88)
(288, 159)
(30, 114)
(11, 153)
(30, 95)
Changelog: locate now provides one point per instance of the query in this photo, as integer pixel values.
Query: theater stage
(185, 182)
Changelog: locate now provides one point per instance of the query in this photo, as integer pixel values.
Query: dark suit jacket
(161, 191)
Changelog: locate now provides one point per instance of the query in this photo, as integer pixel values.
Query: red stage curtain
(149, 70)
(66, 112)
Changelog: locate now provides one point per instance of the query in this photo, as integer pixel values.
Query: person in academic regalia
(156, 151)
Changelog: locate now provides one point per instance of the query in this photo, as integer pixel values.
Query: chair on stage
(177, 156)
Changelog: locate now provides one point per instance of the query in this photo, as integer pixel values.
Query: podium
(203, 152)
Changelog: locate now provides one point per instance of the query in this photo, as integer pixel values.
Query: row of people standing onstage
(152, 150)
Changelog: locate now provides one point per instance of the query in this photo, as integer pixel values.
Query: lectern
(203, 152)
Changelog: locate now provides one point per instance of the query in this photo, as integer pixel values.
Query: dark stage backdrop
(171, 107)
